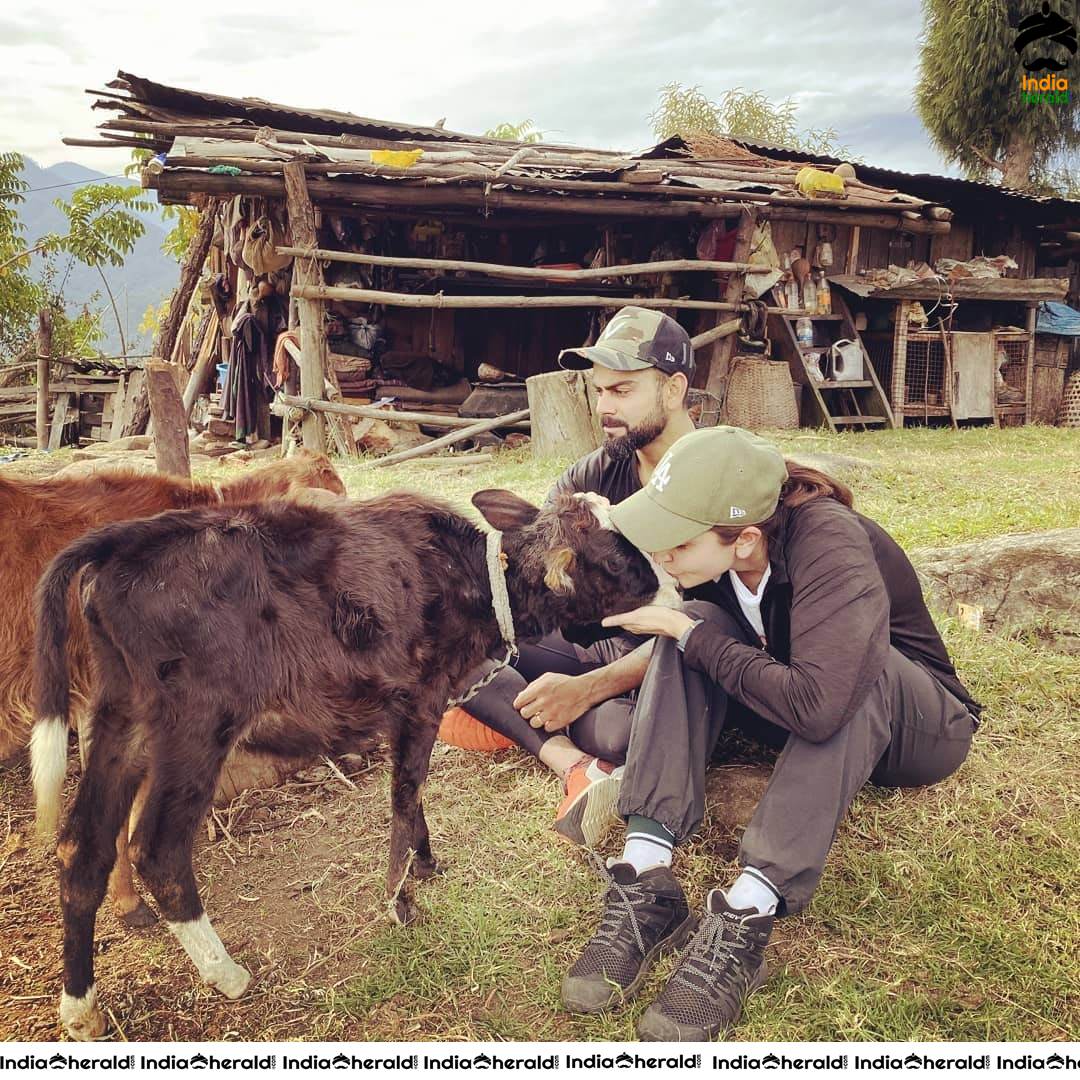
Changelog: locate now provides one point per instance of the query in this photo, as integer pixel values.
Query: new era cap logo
(736, 512)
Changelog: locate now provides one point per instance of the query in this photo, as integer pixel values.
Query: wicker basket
(760, 394)
(1069, 415)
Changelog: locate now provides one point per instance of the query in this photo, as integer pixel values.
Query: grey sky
(586, 71)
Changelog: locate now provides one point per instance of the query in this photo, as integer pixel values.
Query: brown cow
(40, 517)
(289, 629)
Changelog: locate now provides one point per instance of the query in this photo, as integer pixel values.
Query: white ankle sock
(645, 852)
(752, 889)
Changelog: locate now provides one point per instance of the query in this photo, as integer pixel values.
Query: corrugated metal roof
(879, 175)
(271, 114)
(222, 127)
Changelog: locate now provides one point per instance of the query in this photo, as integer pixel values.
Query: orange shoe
(589, 808)
(462, 729)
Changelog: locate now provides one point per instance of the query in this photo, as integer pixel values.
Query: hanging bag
(260, 242)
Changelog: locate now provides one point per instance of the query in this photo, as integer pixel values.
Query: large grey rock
(1025, 581)
(91, 465)
(837, 465)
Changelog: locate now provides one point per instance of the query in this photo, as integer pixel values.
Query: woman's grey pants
(910, 731)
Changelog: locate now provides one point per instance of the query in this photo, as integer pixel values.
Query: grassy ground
(948, 913)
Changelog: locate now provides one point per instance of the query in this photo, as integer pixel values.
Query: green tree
(102, 228)
(21, 296)
(742, 114)
(969, 95)
(525, 132)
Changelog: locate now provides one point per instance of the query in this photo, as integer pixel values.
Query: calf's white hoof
(81, 1017)
(229, 978)
(215, 965)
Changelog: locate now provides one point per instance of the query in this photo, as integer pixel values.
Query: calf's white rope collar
(500, 602)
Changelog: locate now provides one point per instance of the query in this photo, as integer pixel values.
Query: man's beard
(622, 447)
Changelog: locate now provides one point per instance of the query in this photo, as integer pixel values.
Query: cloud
(243, 38)
(585, 71)
(38, 32)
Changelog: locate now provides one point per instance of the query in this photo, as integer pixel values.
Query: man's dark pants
(603, 731)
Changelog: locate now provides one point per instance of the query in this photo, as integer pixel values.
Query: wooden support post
(170, 424)
(899, 362)
(854, 239)
(60, 419)
(138, 407)
(119, 409)
(205, 363)
(564, 420)
(716, 379)
(312, 329)
(44, 344)
(1032, 319)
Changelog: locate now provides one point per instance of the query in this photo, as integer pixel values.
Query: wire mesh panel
(1011, 380)
(1012, 364)
(924, 376)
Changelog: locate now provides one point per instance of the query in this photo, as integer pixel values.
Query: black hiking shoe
(721, 967)
(644, 917)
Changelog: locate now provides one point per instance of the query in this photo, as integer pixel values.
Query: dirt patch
(292, 878)
(288, 884)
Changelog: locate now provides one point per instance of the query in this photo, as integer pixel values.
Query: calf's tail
(48, 741)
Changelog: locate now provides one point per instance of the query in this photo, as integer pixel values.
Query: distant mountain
(146, 278)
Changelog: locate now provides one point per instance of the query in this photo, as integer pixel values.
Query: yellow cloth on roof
(814, 182)
(400, 159)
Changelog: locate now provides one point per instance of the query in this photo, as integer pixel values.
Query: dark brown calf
(290, 630)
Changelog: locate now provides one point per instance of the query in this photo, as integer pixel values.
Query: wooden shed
(419, 263)
(976, 356)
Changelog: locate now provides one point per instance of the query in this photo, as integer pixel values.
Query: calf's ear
(503, 509)
(556, 565)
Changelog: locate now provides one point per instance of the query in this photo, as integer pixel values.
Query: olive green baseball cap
(636, 338)
(715, 476)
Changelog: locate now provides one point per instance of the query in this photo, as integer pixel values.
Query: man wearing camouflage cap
(568, 703)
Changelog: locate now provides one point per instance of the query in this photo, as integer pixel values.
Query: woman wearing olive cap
(804, 626)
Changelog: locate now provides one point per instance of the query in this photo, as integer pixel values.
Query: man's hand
(652, 619)
(553, 701)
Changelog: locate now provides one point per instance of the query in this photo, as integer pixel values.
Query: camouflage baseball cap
(715, 476)
(635, 339)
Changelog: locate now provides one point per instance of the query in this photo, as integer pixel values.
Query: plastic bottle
(804, 331)
(824, 297)
(810, 295)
